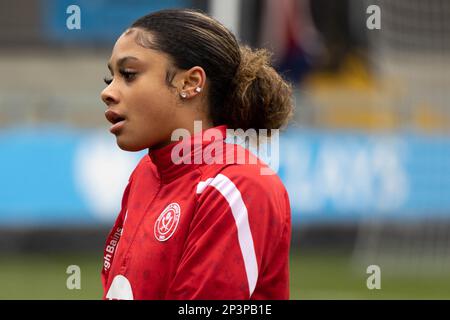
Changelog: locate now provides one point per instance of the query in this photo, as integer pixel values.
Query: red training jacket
(200, 230)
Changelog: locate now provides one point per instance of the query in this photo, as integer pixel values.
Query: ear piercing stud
(184, 95)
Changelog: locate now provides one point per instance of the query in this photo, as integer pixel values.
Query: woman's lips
(115, 128)
(116, 119)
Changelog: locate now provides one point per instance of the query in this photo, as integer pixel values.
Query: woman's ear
(193, 82)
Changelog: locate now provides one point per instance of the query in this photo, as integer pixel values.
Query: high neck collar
(170, 168)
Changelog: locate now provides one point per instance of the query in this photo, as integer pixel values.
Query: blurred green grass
(34, 276)
(331, 276)
(313, 276)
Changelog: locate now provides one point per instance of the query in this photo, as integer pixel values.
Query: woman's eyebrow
(121, 62)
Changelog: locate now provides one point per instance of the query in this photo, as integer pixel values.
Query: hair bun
(261, 98)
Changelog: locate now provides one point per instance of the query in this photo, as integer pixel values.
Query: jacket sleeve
(237, 224)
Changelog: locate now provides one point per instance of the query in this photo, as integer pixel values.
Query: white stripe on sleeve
(234, 198)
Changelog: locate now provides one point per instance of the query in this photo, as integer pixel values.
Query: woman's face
(140, 105)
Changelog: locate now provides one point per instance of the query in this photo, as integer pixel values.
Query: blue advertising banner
(336, 176)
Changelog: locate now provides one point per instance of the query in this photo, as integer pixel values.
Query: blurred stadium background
(366, 160)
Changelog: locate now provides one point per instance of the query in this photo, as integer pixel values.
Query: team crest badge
(167, 222)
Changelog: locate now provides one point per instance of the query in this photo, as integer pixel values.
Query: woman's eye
(128, 75)
(107, 80)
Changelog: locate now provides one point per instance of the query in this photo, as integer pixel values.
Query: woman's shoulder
(258, 177)
(243, 186)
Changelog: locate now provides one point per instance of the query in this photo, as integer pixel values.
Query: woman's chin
(127, 146)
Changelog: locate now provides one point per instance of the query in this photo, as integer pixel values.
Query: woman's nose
(109, 97)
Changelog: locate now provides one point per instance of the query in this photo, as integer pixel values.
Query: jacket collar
(181, 157)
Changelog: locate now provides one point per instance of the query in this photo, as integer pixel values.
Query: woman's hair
(244, 90)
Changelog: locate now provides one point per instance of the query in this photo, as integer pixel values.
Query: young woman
(194, 229)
